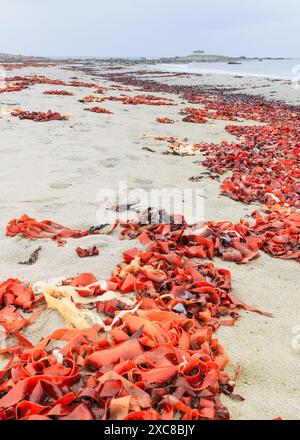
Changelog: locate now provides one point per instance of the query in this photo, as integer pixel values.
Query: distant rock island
(198, 56)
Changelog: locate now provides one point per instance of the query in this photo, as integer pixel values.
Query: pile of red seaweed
(147, 100)
(11, 89)
(25, 65)
(161, 361)
(88, 252)
(14, 298)
(23, 82)
(91, 98)
(39, 116)
(165, 120)
(32, 229)
(98, 110)
(265, 164)
(195, 115)
(58, 92)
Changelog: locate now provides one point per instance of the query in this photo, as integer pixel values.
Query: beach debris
(72, 315)
(195, 178)
(148, 149)
(132, 100)
(180, 304)
(84, 295)
(19, 83)
(100, 90)
(33, 257)
(26, 65)
(14, 292)
(58, 92)
(97, 228)
(15, 297)
(83, 84)
(87, 252)
(121, 88)
(195, 115)
(39, 116)
(278, 234)
(176, 147)
(32, 229)
(147, 100)
(11, 89)
(98, 110)
(91, 98)
(123, 207)
(165, 120)
(160, 359)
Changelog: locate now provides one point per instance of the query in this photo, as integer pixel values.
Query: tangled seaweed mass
(142, 345)
(165, 120)
(160, 359)
(98, 110)
(39, 116)
(58, 93)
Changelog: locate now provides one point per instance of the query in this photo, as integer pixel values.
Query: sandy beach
(54, 171)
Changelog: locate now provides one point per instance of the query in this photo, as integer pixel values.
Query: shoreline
(187, 70)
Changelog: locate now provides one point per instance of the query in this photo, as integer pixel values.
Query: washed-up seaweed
(58, 93)
(132, 100)
(18, 83)
(277, 234)
(91, 98)
(15, 297)
(195, 115)
(33, 257)
(30, 228)
(160, 359)
(87, 252)
(98, 110)
(165, 120)
(147, 100)
(161, 362)
(11, 89)
(39, 116)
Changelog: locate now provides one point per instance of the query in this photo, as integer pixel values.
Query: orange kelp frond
(32, 229)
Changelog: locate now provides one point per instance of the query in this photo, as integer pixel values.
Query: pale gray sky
(150, 27)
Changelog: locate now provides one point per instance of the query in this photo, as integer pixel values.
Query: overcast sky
(150, 27)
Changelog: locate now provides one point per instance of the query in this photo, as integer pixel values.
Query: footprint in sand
(60, 185)
(43, 200)
(131, 156)
(75, 158)
(110, 162)
(143, 182)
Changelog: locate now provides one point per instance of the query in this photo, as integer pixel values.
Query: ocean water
(283, 69)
